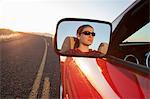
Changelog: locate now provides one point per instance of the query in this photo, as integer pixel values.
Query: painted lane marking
(46, 89)
(35, 87)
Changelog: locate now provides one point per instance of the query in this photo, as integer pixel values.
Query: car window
(142, 35)
(139, 45)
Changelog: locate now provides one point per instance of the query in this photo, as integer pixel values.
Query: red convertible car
(120, 66)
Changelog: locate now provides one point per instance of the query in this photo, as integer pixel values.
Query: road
(29, 69)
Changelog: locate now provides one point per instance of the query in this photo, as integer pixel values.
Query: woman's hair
(80, 29)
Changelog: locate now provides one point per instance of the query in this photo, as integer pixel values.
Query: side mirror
(68, 41)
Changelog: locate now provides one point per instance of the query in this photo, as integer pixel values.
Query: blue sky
(43, 15)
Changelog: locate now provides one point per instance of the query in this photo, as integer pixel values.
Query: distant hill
(7, 34)
(6, 31)
(39, 33)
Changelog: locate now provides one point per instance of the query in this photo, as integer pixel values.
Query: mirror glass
(67, 37)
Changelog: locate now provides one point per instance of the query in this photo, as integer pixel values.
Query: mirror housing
(67, 38)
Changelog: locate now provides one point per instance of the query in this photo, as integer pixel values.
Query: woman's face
(86, 39)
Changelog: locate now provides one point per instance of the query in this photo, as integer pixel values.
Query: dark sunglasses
(88, 33)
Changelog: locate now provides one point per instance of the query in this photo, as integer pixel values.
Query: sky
(43, 15)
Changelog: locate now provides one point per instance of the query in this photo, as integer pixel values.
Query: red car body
(123, 82)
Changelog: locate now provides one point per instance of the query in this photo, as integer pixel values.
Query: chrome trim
(147, 57)
(130, 55)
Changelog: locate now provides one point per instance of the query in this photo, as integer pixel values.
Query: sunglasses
(88, 33)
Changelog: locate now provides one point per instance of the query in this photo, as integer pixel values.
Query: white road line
(46, 89)
(35, 87)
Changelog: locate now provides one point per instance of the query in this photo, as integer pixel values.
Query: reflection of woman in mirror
(85, 35)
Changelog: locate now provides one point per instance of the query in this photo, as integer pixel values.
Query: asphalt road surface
(29, 69)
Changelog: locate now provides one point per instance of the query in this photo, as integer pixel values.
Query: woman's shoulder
(77, 51)
(73, 51)
(94, 51)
